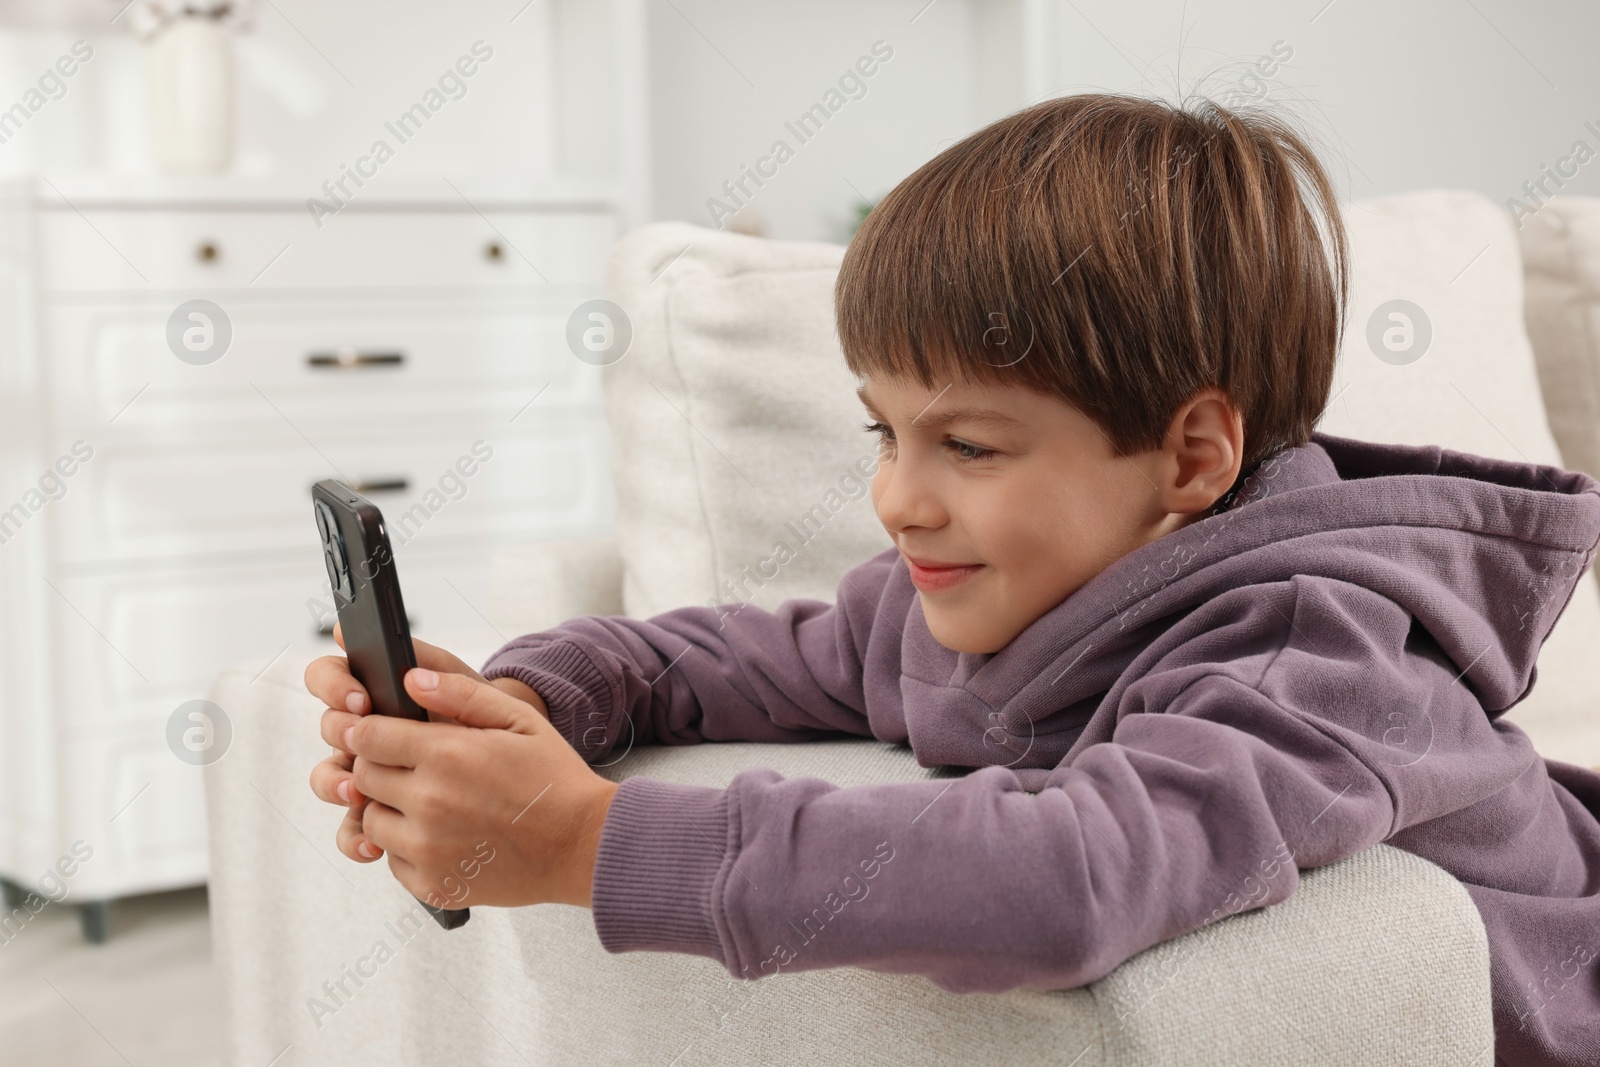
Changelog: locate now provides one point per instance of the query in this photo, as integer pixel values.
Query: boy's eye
(963, 451)
(885, 434)
(969, 453)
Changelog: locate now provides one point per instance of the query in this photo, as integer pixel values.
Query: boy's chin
(958, 633)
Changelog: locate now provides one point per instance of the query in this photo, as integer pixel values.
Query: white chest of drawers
(382, 347)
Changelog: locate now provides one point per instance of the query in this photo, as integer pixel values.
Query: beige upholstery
(733, 428)
(733, 419)
(1561, 254)
(537, 586)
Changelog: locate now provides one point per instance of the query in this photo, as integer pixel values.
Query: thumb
(471, 702)
(438, 659)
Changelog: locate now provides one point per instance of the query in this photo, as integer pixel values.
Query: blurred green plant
(862, 209)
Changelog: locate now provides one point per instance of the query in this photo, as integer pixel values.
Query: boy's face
(1021, 490)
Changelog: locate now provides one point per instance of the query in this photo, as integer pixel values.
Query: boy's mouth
(931, 576)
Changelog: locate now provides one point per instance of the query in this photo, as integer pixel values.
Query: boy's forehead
(878, 390)
(995, 405)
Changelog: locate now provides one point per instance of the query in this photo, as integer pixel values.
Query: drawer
(220, 500)
(284, 362)
(262, 250)
(142, 811)
(149, 639)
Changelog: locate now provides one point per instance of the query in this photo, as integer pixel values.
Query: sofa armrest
(1380, 958)
(544, 583)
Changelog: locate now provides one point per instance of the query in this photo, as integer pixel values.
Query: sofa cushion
(735, 425)
(1561, 253)
(1475, 388)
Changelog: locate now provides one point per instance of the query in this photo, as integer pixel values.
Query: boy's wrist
(588, 849)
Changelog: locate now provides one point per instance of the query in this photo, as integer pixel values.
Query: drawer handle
(397, 484)
(207, 252)
(350, 359)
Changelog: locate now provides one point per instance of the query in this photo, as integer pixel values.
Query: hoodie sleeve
(730, 672)
(1208, 800)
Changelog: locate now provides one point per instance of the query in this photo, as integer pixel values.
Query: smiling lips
(931, 576)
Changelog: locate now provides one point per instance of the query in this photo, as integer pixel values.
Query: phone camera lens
(333, 553)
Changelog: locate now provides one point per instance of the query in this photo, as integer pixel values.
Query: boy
(1189, 647)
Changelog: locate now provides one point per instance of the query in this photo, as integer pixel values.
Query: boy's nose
(903, 496)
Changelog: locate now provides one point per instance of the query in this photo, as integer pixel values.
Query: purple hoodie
(1321, 665)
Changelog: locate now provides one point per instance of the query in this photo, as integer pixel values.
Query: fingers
(405, 872)
(352, 840)
(388, 739)
(331, 780)
(437, 659)
(334, 724)
(328, 678)
(472, 702)
(389, 786)
(383, 829)
(411, 877)
(338, 635)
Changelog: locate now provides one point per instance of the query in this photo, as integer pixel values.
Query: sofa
(733, 425)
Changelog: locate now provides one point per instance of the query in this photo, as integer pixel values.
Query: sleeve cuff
(575, 690)
(655, 872)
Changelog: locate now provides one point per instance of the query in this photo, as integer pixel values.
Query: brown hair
(1118, 252)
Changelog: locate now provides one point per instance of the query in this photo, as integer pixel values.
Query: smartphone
(372, 615)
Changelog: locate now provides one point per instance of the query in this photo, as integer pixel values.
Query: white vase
(189, 73)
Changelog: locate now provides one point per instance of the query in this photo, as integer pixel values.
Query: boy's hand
(329, 679)
(494, 808)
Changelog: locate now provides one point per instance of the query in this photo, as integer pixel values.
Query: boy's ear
(1203, 451)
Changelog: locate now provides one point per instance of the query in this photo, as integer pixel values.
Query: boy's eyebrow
(945, 416)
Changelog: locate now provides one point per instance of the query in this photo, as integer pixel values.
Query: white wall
(726, 76)
(1401, 96)
(1405, 95)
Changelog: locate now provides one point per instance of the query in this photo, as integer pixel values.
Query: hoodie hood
(1482, 553)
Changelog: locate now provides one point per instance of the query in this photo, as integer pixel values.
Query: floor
(148, 997)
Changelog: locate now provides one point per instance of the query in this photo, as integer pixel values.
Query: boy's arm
(732, 672)
(977, 884)
(1219, 783)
